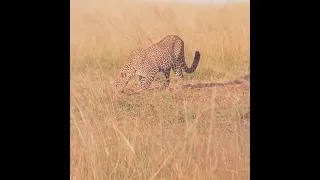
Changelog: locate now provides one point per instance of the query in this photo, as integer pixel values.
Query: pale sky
(200, 1)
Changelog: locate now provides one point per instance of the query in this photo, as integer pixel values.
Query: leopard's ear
(123, 74)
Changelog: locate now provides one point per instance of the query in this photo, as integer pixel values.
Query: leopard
(163, 56)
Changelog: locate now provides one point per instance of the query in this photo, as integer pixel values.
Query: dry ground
(201, 132)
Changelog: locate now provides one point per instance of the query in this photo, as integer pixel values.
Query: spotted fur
(167, 54)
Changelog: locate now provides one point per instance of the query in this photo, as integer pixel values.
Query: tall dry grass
(184, 134)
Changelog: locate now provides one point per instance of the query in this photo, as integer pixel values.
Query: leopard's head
(120, 81)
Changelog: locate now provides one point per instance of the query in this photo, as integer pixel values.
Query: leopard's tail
(194, 65)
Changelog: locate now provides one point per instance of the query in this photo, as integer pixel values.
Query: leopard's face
(125, 74)
(119, 81)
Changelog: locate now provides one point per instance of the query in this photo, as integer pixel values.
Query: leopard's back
(165, 53)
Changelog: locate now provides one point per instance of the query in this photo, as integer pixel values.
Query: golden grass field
(193, 133)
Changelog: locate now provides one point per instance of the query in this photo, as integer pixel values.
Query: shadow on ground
(243, 80)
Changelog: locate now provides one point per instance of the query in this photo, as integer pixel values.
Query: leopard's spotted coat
(167, 54)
